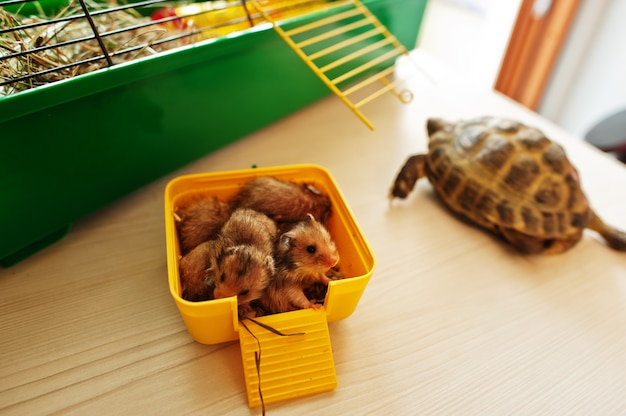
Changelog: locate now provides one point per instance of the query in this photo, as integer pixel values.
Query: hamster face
(309, 246)
(242, 271)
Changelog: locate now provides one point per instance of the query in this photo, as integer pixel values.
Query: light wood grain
(453, 321)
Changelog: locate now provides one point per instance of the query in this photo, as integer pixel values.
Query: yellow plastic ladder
(348, 50)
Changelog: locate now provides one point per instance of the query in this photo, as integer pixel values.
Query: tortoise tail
(412, 170)
(615, 238)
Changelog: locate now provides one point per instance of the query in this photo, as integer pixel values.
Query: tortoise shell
(508, 178)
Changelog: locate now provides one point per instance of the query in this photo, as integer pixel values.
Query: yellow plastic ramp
(348, 48)
(280, 367)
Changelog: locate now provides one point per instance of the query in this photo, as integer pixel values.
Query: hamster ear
(209, 276)
(310, 217)
(285, 240)
(313, 189)
(268, 262)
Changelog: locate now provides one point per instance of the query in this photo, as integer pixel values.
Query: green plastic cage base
(72, 147)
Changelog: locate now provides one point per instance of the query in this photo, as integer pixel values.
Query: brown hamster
(243, 262)
(283, 201)
(196, 277)
(303, 255)
(200, 220)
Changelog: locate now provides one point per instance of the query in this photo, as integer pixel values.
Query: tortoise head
(435, 125)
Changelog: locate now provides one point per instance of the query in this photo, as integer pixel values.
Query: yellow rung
(334, 32)
(356, 54)
(388, 87)
(323, 22)
(365, 66)
(347, 42)
(369, 80)
(386, 32)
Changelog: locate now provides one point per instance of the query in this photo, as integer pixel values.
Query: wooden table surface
(453, 321)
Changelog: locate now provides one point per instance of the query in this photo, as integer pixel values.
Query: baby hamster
(196, 277)
(200, 220)
(283, 201)
(243, 262)
(303, 255)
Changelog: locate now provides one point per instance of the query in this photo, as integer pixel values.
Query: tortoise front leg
(412, 170)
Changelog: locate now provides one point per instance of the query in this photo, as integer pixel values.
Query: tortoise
(508, 178)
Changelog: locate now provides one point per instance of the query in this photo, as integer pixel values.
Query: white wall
(470, 35)
(589, 80)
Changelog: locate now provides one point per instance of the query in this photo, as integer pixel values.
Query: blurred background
(563, 58)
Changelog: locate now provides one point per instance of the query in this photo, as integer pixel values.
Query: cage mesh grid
(84, 35)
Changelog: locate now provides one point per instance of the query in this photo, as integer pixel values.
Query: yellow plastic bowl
(215, 321)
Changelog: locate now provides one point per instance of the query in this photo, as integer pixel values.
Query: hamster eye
(244, 292)
(310, 249)
(222, 277)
